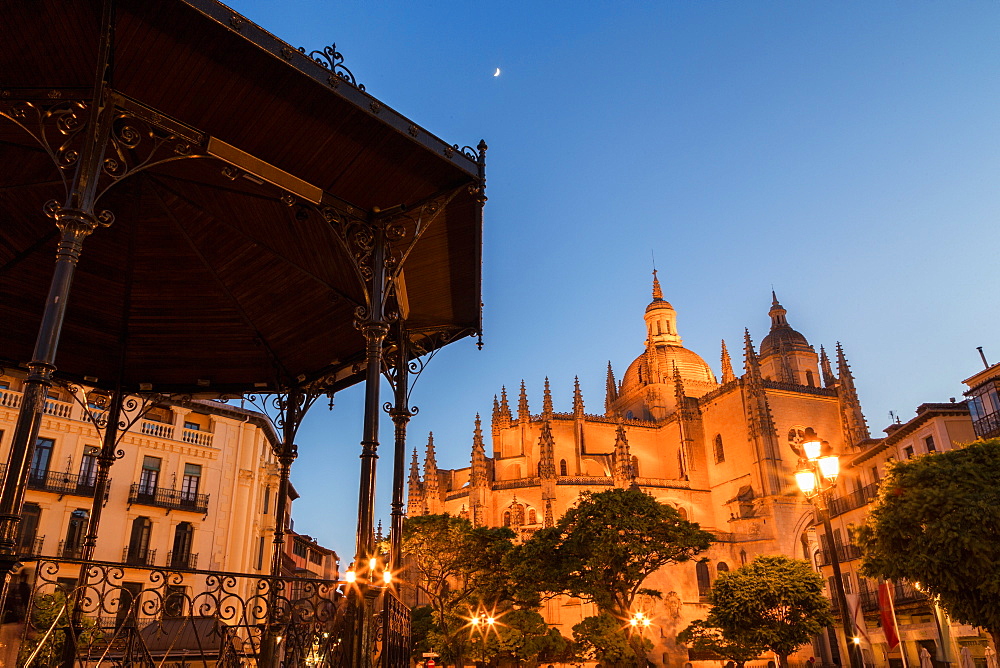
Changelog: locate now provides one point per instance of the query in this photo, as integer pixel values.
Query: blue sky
(846, 153)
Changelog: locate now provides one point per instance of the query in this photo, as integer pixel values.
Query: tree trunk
(782, 661)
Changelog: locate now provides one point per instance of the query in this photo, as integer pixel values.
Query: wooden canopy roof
(242, 175)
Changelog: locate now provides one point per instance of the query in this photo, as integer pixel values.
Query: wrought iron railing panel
(62, 483)
(119, 615)
(168, 498)
(856, 499)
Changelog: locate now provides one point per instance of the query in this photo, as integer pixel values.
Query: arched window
(562, 467)
(743, 557)
(720, 453)
(138, 544)
(532, 517)
(506, 518)
(722, 567)
(180, 556)
(704, 582)
(683, 513)
(635, 466)
(810, 381)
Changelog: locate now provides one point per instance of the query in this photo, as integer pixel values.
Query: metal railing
(182, 560)
(856, 499)
(70, 551)
(62, 483)
(137, 557)
(516, 484)
(32, 547)
(987, 426)
(844, 553)
(168, 498)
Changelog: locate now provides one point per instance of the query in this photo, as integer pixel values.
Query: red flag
(888, 614)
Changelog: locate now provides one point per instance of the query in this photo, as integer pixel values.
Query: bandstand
(229, 217)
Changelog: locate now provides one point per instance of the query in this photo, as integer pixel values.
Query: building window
(299, 549)
(150, 476)
(192, 425)
(532, 517)
(138, 544)
(173, 601)
(929, 443)
(267, 499)
(75, 533)
(180, 556)
(683, 513)
(88, 466)
(720, 452)
(562, 467)
(190, 483)
(128, 603)
(875, 477)
(704, 581)
(260, 553)
(506, 518)
(41, 459)
(908, 452)
(723, 567)
(810, 381)
(743, 557)
(31, 514)
(635, 466)
(316, 558)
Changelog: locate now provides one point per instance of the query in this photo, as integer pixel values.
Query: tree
(773, 602)
(936, 522)
(602, 638)
(603, 549)
(702, 636)
(457, 567)
(523, 635)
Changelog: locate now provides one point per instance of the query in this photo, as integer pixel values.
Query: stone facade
(722, 453)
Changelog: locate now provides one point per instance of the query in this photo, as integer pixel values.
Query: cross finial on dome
(657, 292)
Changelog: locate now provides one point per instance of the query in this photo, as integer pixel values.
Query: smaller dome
(783, 339)
(658, 304)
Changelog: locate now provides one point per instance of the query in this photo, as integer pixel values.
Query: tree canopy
(458, 568)
(937, 523)
(602, 638)
(731, 644)
(603, 549)
(772, 602)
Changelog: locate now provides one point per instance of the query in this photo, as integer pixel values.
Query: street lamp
(482, 623)
(817, 477)
(640, 621)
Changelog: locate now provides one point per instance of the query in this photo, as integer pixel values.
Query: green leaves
(937, 522)
(603, 549)
(772, 602)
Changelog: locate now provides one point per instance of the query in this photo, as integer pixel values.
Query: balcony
(10, 399)
(62, 483)
(844, 553)
(32, 547)
(135, 557)
(54, 407)
(987, 426)
(182, 560)
(157, 429)
(171, 499)
(70, 551)
(585, 480)
(856, 499)
(197, 437)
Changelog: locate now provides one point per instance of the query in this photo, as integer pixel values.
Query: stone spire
(763, 434)
(496, 410)
(548, 521)
(523, 416)
(657, 292)
(855, 425)
(505, 415)
(415, 494)
(478, 476)
(829, 380)
(622, 472)
(546, 452)
(611, 395)
(547, 399)
(680, 398)
(577, 398)
(431, 489)
(727, 365)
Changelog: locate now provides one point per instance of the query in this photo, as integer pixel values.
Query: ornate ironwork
(331, 59)
(133, 616)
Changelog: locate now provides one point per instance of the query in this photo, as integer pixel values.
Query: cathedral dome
(781, 338)
(694, 371)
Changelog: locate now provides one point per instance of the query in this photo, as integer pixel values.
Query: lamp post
(640, 622)
(817, 477)
(483, 624)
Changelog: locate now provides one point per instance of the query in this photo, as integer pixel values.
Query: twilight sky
(846, 153)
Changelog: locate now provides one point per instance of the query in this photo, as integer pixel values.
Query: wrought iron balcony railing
(168, 498)
(844, 553)
(62, 483)
(31, 547)
(182, 560)
(136, 557)
(987, 426)
(856, 499)
(70, 551)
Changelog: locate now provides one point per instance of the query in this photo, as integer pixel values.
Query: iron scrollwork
(331, 59)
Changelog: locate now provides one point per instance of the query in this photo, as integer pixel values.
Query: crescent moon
(497, 73)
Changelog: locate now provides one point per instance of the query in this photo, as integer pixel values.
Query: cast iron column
(104, 462)
(401, 415)
(838, 581)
